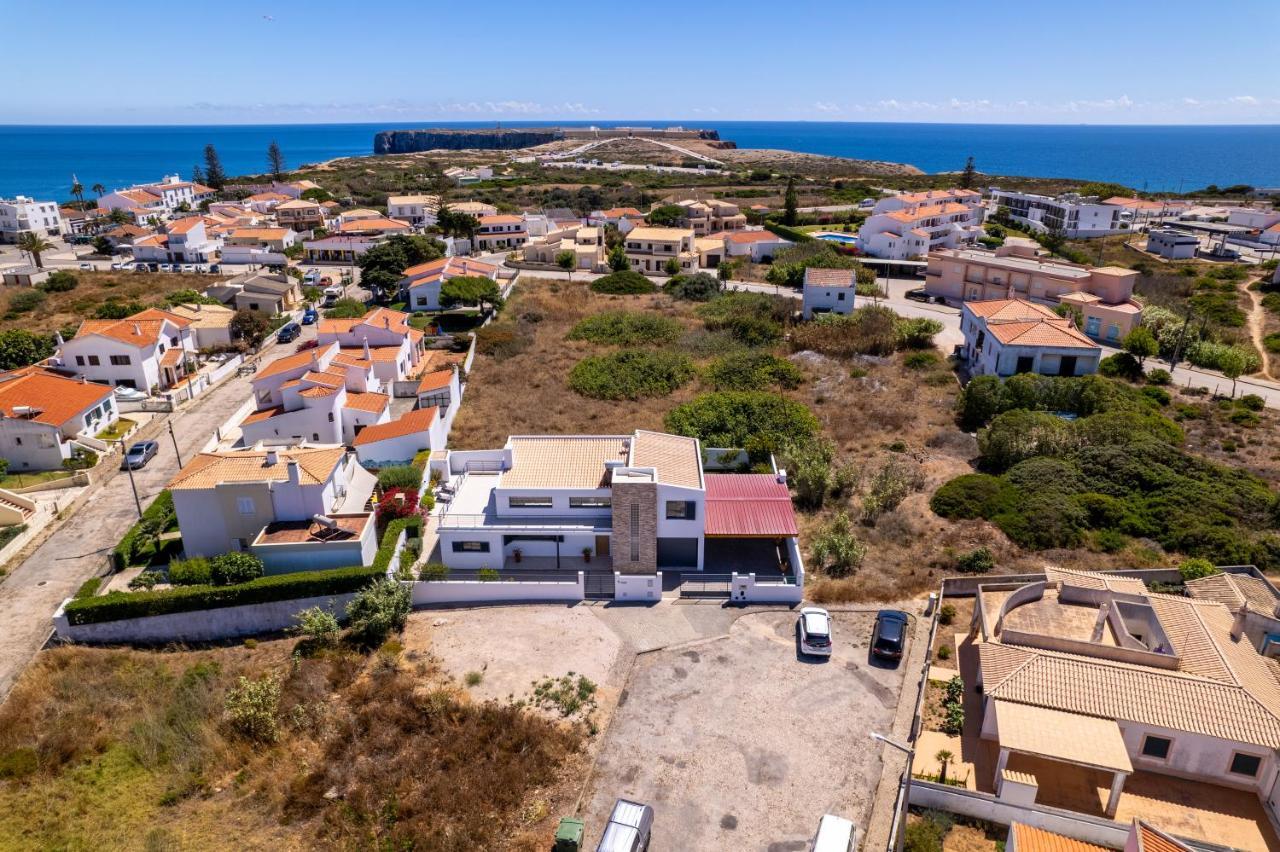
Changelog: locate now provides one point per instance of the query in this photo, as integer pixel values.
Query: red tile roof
(52, 399)
(748, 505)
(372, 402)
(418, 420)
(435, 381)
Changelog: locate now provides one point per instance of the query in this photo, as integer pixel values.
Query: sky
(283, 61)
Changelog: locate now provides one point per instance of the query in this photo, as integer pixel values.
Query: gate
(701, 585)
(598, 585)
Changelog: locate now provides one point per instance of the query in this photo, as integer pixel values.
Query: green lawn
(117, 430)
(32, 477)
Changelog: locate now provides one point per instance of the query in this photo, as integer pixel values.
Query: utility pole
(136, 502)
(910, 752)
(176, 452)
(1182, 336)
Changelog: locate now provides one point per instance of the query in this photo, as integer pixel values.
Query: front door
(1067, 366)
(602, 545)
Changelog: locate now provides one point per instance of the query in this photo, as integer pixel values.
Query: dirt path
(1257, 320)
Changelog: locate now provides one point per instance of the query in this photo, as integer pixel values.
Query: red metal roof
(748, 505)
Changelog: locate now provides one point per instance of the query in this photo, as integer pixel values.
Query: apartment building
(1071, 215)
(150, 350)
(420, 286)
(1003, 337)
(261, 246)
(1101, 296)
(417, 210)
(907, 226)
(501, 232)
(24, 215)
(186, 240)
(707, 217)
(161, 199)
(383, 337)
(42, 414)
(586, 242)
(649, 249)
(300, 509)
(300, 216)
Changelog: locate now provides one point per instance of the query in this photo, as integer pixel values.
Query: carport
(749, 521)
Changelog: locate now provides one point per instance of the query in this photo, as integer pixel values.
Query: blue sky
(1117, 62)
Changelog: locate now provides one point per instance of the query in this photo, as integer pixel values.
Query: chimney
(1237, 623)
(273, 458)
(782, 477)
(295, 472)
(137, 329)
(57, 338)
(386, 322)
(368, 356)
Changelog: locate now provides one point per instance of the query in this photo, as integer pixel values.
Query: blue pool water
(837, 238)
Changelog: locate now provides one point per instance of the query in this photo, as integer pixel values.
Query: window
(244, 505)
(315, 436)
(1025, 364)
(1157, 747)
(94, 361)
(471, 547)
(529, 502)
(681, 510)
(1246, 764)
(590, 502)
(120, 360)
(635, 532)
(1092, 326)
(79, 360)
(330, 416)
(840, 296)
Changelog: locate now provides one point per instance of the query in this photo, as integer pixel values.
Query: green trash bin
(568, 835)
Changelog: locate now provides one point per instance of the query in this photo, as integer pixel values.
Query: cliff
(409, 141)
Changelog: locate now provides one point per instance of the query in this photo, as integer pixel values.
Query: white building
(397, 441)
(261, 246)
(758, 245)
(1074, 217)
(185, 241)
(466, 177)
(161, 199)
(418, 210)
(906, 226)
(42, 414)
(383, 336)
(499, 232)
(829, 291)
(1256, 220)
(147, 351)
(420, 286)
(210, 324)
(23, 215)
(1173, 245)
(1003, 337)
(298, 510)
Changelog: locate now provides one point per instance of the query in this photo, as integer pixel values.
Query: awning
(748, 505)
(1057, 735)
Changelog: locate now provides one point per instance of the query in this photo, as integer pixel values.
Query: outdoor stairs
(16, 507)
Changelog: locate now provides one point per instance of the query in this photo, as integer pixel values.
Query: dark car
(890, 637)
(139, 454)
(289, 331)
(918, 295)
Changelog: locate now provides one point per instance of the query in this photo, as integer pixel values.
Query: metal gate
(598, 585)
(701, 585)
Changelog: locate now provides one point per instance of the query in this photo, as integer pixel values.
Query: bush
(872, 330)
(25, 301)
(1159, 376)
(378, 610)
(411, 526)
(1121, 365)
(191, 572)
(230, 569)
(976, 561)
(627, 328)
(1252, 401)
(946, 615)
(1158, 395)
(625, 283)
(755, 421)
(920, 360)
(753, 371)
(89, 588)
(397, 504)
(889, 486)
(1019, 434)
(61, 281)
(973, 495)
(404, 477)
(115, 606)
(835, 549)
(1194, 569)
(699, 287)
(434, 571)
(630, 374)
(320, 626)
(753, 319)
(251, 707)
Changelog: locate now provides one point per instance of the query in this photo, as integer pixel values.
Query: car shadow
(881, 662)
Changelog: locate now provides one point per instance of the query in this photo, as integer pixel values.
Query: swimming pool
(837, 238)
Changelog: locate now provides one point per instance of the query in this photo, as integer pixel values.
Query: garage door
(677, 553)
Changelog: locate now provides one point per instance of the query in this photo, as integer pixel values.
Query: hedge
(281, 587)
(160, 514)
(786, 232)
(387, 549)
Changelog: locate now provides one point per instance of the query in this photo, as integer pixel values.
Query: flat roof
(346, 528)
(1057, 735)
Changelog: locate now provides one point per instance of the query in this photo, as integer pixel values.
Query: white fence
(637, 587)
(226, 369)
(746, 588)
(435, 592)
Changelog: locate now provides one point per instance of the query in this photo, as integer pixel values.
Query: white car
(188, 267)
(86, 266)
(814, 627)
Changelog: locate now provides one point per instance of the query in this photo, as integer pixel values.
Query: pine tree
(214, 176)
(967, 176)
(789, 201)
(197, 174)
(275, 159)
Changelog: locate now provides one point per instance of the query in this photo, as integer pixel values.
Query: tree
(249, 326)
(454, 224)
(275, 160)
(471, 290)
(21, 348)
(618, 260)
(790, 202)
(102, 245)
(836, 549)
(316, 194)
(944, 756)
(347, 308)
(118, 216)
(668, 215)
(1141, 344)
(382, 266)
(725, 270)
(567, 260)
(1232, 363)
(34, 245)
(99, 190)
(967, 176)
(197, 175)
(214, 176)
(671, 267)
(77, 189)
(377, 610)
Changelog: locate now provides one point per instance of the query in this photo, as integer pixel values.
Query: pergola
(1086, 741)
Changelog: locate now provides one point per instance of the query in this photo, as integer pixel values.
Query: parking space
(740, 744)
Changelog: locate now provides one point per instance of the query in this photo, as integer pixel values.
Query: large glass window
(529, 502)
(590, 502)
(682, 510)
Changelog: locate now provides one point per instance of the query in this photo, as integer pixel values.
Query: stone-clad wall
(645, 496)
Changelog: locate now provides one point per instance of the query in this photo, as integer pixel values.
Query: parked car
(139, 454)
(308, 344)
(628, 828)
(214, 268)
(288, 332)
(918, 295)
(309, 315)
(835, 834)
(86, 266)
(814, 626)
(312, 276)
(188, 267)
(890, 635)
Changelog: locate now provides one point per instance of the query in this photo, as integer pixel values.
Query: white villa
(420, 286)
(261, 246)
(161, 199)
(146, 351)
(23, 215)
(650, 248)
(42, 414)
(417, 210)
(1003, 337)
(383, 337)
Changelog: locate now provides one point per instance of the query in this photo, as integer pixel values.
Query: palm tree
(77, 189)
(118, 216)
(943, 757)
(34, 245)
(99, 190)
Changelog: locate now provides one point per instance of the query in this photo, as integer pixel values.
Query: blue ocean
(40, 160)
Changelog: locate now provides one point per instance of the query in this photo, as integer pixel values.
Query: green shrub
(925, 834)
(1019, 434)
(25, 301)
(946, 615)
(1158, 395)
(501, 340)
(191, 572)
(89, 588)
(699, 287)
(400, 476)
(752, 319)
(411, 526)
(229, 569)
(1109, 541)
(976, 561)
(755, 421)
(434, 571)
(320, 626)
(1159, 376)
(920, 360)
(630, 374)
(973, 495)
(836, 550)
(753, 371)
(944, 652)
(488, 575)
(61, 281)
(625, 283)
(627, 328)
(115, 606)
(251, 707)
(1245, 418)
(1194, 569)
(1253, 402)
(378, 610)
(1121, 365)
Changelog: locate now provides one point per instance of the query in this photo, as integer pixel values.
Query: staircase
(15, 509)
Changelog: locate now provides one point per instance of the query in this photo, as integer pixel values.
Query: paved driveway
(740, 745)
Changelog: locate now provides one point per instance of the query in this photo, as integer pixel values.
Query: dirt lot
(738, 744)
(65, 311)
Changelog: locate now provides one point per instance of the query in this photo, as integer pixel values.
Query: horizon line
(637, 122)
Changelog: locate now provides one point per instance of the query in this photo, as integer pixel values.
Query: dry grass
(131, 751)
(66, 310)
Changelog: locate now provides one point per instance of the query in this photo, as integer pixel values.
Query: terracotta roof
(204, 316)
(1151, 839)
(376, 353)
(327, 378)
(1095, 580)
(315, 464)
(1008, 309)
(182, 226)
(830, 277)
(139, 196)
(151, 240)
(297, 204)
(563, 461)
(318, 391)
(1056, 332)
(348, 360)
(290, 362)
(748, 505)
(160, 314)
(357, 225)
(139, 332)
(1235, 590)
(501, 219)
(171, 358)
(435, 381)
(1028, 838)
(373, 402)
(418, 420)
(675, 457)
(449, 267)
(658, 235)
(753, 237)
(268, 196)
(53, 399)
(259, 233)
(619, 212)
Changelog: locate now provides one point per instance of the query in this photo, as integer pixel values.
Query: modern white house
(148, 351)
(622, 218)
(420, 286)
(758, 245)
(42, 414)
(210, 324)
(902, 227)
(829, 291)
(383, 337)
(1172, 244)
(161, 199)
(24, 215)
(631, 504)
(1070, 214)
(1003, 337)
(417, 210)
(260, 246)
(301, 509)
(501, 231)
(396, 442)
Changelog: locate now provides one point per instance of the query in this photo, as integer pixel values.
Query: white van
(835, 834)
(628, 828)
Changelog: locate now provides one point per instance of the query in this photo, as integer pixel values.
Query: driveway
(738, 744)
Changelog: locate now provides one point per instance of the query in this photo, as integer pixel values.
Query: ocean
(40, 160)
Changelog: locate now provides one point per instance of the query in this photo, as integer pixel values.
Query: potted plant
(586, 555)
(517, 555)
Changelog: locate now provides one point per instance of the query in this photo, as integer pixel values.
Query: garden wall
(436, 592)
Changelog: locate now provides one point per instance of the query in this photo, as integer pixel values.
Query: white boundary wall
(1089, 829)
(434, 592)
(637, 587)
(746, 588)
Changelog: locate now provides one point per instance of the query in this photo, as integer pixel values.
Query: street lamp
(910, 752)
